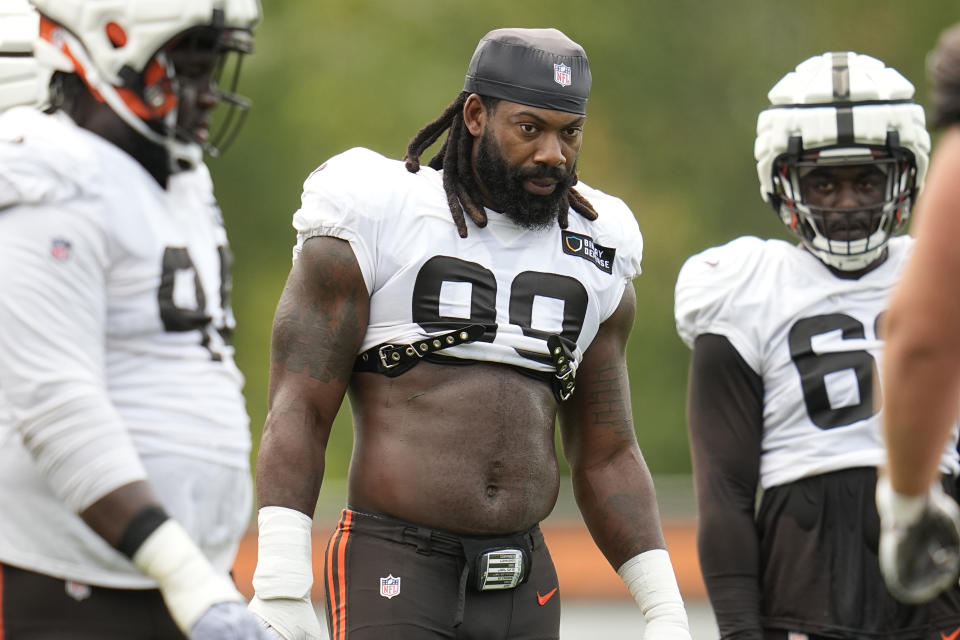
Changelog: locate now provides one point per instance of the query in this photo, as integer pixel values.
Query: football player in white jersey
(465, 306)
(920, 537)
(786, 340)
(124, 441)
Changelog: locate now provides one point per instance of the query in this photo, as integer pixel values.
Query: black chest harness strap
(564, 366)
(392, 360)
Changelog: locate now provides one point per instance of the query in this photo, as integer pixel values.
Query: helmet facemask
(174, 93)
(834, 112)
(222, 78)
(846, 238)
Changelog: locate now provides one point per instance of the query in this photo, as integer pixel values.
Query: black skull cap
(536, 67)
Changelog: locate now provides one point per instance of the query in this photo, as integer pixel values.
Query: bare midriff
(466, 449)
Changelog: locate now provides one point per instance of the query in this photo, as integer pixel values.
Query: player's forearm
(291, 460)
(920, 406)
(618, 503)
(728, 549)
(619, 506)
(131, 519)
(111, 515)
(290, 470)
(922, 346)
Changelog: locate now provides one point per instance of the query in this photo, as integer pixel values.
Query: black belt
(394, 359)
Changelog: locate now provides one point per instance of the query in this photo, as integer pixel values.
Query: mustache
(852, 224)
(558, 174)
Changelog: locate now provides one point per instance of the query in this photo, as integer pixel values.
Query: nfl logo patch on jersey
(60, 249)
(77, 590)
(389, 586)
(562, 75)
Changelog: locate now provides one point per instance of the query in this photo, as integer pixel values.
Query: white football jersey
(114, 300)
(815, 340)
(424, 279)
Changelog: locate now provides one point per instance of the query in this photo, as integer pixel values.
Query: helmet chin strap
(178, 151)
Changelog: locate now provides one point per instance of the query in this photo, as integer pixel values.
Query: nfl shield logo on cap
(389, 586)
(562, 74)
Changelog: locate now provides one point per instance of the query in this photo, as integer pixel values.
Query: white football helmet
(842, 109)
(22, 80)
(119, 49)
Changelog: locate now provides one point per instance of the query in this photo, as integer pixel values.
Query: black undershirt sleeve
(725, 418)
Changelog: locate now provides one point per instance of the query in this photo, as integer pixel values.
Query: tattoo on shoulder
(318, 326)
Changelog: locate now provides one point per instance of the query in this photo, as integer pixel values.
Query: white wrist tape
(650, 579)
(284, 574)
(188, 582)
(284, 554)
(898, 510)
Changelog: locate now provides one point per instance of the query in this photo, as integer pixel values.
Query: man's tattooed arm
(319, 325)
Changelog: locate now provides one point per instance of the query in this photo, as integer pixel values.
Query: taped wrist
(650, 579)
(284, 554)
(898, 510)
(188, 582)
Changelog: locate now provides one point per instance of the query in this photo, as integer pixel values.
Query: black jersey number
(525, 288)
(177, 263)
(813, 368)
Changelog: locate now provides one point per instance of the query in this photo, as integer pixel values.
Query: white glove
(229, 621)
(288, 618)
(284, 574)
(650, 579)
(919, 542)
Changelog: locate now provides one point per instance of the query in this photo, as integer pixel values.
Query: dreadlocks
(463, 194)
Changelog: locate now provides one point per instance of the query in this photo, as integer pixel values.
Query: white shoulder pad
(353, 196)
(710, 285)
(357, 182)
(615, 226)
(43, 158)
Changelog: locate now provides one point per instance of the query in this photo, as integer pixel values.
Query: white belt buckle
(500, 569)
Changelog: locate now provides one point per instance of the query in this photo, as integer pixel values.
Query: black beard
(505, 185)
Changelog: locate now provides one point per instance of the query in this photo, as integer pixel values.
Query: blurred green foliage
(677, 88)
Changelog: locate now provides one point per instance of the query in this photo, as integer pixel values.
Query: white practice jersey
(424, 279)
(815, 340)
(114, 298)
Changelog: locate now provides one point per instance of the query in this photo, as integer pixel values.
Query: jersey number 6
(814, 368)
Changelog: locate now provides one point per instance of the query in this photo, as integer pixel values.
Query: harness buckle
(389, 355)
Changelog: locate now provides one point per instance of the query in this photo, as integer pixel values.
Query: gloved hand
(229, 621)
(919, 542)
(284, 574)
(288, 618)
